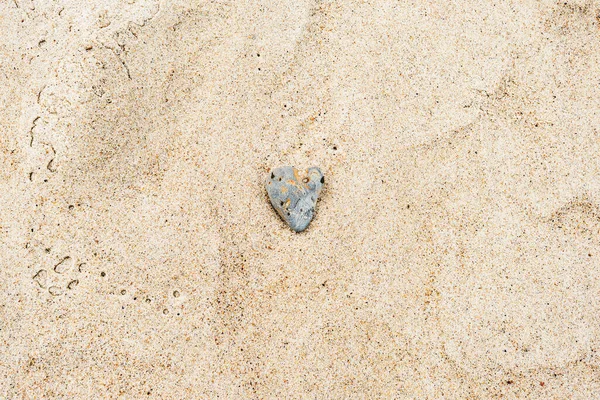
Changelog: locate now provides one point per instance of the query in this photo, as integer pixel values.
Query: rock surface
(294, 195)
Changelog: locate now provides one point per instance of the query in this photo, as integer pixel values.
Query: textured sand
(456, 248)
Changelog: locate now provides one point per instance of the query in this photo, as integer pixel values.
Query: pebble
(294, 194)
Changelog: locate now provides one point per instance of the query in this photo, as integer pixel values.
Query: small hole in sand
(123, 292)
(176, 293)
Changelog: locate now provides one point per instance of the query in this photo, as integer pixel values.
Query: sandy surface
(456, 248)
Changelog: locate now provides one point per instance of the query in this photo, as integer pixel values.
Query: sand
(455, 251)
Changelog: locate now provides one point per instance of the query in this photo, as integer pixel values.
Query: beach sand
(455, 252)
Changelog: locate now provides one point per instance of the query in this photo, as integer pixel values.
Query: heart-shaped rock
(294, 195)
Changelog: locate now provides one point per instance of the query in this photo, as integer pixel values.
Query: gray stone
(294, 194)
